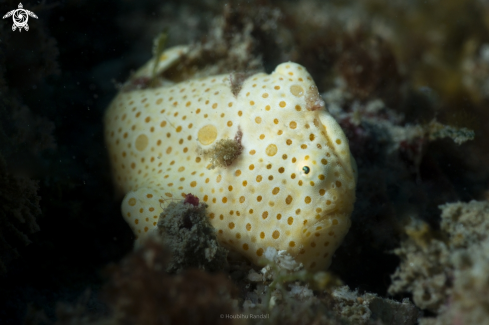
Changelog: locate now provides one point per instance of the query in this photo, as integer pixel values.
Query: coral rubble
(369, 308)
(446, 271)
(225, 151)
(190, 238)
(141, 292)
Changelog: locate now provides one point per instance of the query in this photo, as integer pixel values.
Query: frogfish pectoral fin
(141, 209)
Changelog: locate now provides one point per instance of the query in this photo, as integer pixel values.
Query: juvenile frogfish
(291, 186)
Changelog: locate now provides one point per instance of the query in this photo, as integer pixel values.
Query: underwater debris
(399, 175)
(228, 46)
(159, 44)
(282, 260)
(236, 79)
(369, 308)
(314, 102)
(225, 151)
(458, 135)
(295, 305)
(191, 239)
(287, 296)
(446, 271)
(302, 297)
(191, 199)
(466, 223)
(141, 292)
(468, 298)
(423, 270)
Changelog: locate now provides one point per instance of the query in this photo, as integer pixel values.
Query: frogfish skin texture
(292, 187)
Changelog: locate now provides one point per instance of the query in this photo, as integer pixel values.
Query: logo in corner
(20, 17)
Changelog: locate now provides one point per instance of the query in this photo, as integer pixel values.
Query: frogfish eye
(306, 169)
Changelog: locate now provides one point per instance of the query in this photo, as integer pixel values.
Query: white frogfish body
(291, 188)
